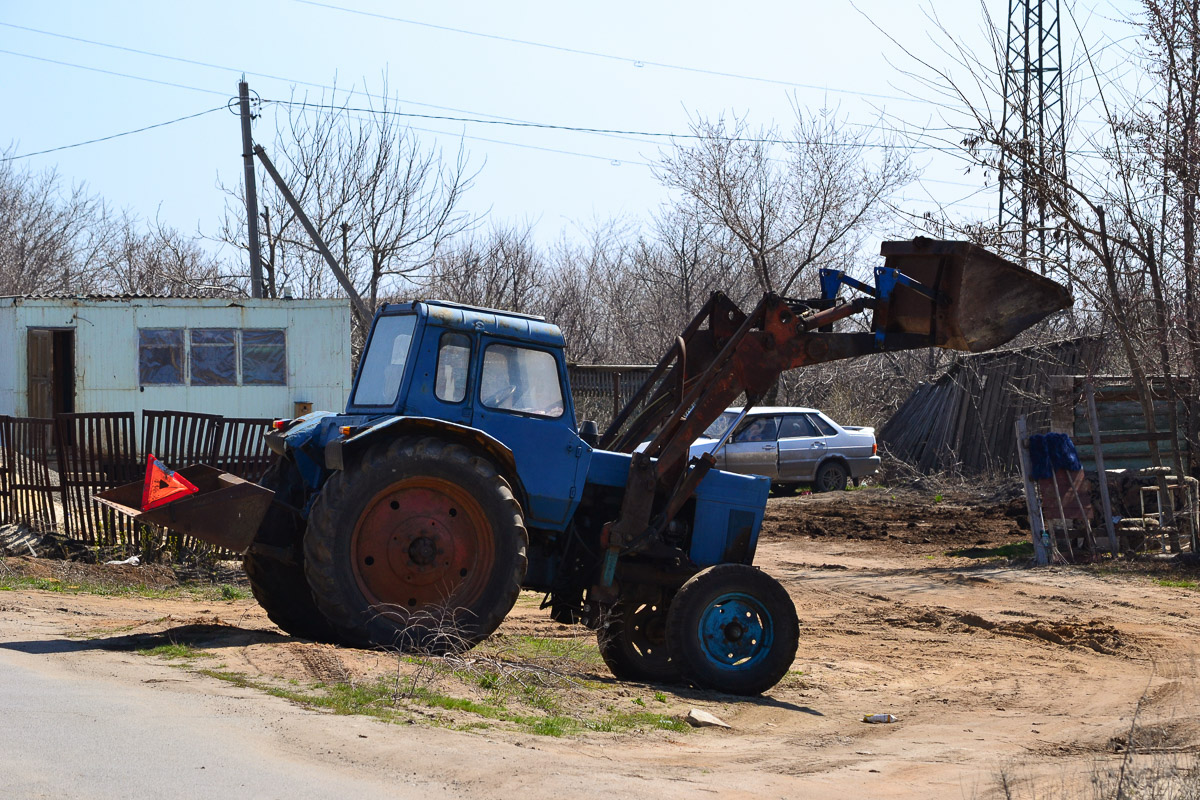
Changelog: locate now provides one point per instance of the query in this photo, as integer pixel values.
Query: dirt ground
(1006, 680)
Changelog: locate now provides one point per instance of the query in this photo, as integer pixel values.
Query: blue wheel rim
(735, 631)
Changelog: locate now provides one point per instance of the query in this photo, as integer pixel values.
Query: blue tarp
(1049, 452)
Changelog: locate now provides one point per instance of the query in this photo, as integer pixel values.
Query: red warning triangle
(163, 485)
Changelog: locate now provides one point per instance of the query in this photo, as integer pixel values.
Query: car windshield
(721, 424)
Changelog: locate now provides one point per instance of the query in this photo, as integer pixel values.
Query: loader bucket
(985, 300)
(225, 512)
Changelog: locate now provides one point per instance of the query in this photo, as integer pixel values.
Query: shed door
(51, 372)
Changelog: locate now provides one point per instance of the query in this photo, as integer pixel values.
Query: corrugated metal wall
(106, 352)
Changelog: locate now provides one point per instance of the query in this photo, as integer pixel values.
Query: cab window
(454, 354)
(520, 379)
(382, 366)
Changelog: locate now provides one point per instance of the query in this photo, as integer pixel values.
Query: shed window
(214, 357)
(264, 358)
(160, 356)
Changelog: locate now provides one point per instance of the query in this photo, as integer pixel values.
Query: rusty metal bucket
(226, 511)
(986, 299)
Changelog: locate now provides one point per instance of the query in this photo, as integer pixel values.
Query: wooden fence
(50, 469)
(1124, 439)
(963, 420)
(601, 390)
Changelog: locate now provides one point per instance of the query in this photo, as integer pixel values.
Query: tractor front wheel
(633, 642)
(733, 628)
(421, 547)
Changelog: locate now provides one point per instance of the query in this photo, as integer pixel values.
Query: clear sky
(637, 66)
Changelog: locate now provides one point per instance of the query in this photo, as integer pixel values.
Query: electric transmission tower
(1033, 154)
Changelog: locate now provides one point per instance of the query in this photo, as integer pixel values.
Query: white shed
(237, 358)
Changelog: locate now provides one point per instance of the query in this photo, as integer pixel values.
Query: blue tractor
(457, 475)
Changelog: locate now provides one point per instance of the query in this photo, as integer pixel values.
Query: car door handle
(817, 445)
(768, 447)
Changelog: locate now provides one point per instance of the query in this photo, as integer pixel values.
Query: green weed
(175, 652)
(202, 592)
(1177, 583)
(1023, 549)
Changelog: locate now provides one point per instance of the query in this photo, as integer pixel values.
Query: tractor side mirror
(589, 432)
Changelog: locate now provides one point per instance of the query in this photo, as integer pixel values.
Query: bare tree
(159, 261)
(1115, 202)
(67, 241)
(376, 194)
(788, 203)
(502, 268)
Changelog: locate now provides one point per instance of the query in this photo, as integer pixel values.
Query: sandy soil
(993, 669)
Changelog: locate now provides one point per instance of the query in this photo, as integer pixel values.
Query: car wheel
(831, 477)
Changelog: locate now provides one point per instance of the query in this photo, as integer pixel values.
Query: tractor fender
(340, 453)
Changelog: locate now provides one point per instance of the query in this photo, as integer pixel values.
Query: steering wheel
(499, 397)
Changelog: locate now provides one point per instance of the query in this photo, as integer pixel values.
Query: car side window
(762, 429)
(824, 427)
(454, 354)
(797, 427)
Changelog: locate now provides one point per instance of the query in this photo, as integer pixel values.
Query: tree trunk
(1140, 384)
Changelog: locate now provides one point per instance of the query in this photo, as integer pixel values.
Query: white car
(793, 446)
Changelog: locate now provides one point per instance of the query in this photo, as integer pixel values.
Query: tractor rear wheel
(633, 642)
(420, 546)
(274, 562)
(733, 628)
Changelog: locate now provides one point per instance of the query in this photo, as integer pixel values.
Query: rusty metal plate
(226, 512)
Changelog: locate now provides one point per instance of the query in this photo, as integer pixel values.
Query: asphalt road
(129, 731)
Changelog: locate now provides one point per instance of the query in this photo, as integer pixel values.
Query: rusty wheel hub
(423, 544)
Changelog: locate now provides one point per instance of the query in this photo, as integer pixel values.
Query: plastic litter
(879, 718)
(132, 561)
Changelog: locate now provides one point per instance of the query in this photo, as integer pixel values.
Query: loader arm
(952, 295)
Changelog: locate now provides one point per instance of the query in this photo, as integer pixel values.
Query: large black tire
(633, 643)
(733, 628)
(274, 563)
(831, 477)
(421, 547)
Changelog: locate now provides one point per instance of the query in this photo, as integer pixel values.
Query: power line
(111, 72)
(582, 129)
(115, 135)
(477, 118)
(222, 67)
(225, 68)
(637, 62)
(268, 76)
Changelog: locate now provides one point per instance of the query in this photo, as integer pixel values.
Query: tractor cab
(499, 378)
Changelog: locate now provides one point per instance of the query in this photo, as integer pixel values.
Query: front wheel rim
(735, 631)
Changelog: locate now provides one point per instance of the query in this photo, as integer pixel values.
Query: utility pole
(256, 284)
